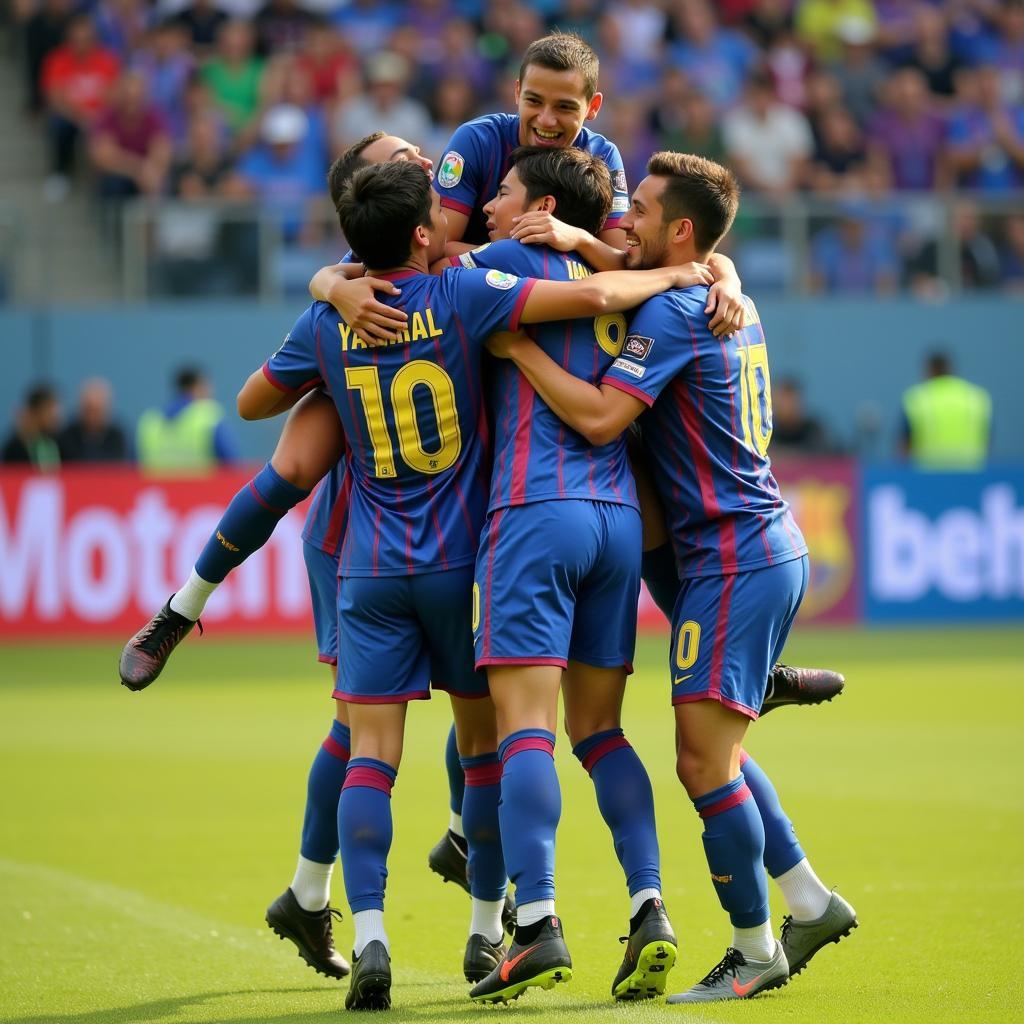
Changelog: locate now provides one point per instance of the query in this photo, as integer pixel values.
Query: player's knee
(695, 772)
(582, 726)
(291, 466)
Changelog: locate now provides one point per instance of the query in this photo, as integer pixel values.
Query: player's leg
(310, 445)
(447, 857)
(601, 653)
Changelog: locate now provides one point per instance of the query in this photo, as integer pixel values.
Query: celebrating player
(741, 559)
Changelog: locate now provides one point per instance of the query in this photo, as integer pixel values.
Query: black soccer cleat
(449, 859)
(311, 932)
(789, 685)
(650, 955)
(145, 655)
(481, 957)
(370, 987)
(541, 962)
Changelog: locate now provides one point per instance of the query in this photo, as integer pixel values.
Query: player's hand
(503, 345)
(686, 275)
(373, 321)
(538, 227)
(725, 301)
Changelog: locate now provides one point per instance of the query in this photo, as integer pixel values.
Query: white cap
(855, 30)
(284, 124)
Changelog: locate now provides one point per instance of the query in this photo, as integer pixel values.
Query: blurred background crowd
(880, 142)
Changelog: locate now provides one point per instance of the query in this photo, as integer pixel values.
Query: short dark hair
(938, 364)
(347, 164)
(381, 207)
(39, 395)
(563, 51)
(187, 377)
(705, 192)
(580, 183)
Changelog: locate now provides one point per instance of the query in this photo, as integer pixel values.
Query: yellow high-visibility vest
(950, 421)
(179, 443)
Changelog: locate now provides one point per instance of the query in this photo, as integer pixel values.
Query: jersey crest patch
(499, 279)
(631, 368)
(619, 181)
(451, 170)
(636, 346)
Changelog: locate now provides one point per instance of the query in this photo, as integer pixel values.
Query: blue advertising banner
(943, 546)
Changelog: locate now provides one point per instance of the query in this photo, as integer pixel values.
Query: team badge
(636, 346)
(451, 170)
(499, 279)
(619, 181)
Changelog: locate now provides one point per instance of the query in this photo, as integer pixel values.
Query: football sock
(311, 885)
(528, 914)
(486, 919)
(756, 943)
(191, 599)
(530, 806)
(247, 523)
(627, 805)
(806, 898)
(658, 571)
(456, 781)
(781, 849)
(455, 825)
(638, 899)
(365, 832)
(323, 788)
(369, 925)
(485, 866)
(734, 847)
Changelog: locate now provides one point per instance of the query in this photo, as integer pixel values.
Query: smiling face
(647, 236)
(552, 106)
(508, 203)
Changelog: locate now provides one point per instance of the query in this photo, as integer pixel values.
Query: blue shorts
(322, 570)
(558, 580)
(405, 633)
(728, 631)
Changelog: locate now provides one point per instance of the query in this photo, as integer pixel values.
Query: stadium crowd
(866, 106)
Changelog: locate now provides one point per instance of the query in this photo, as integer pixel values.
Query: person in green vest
(34, 438)
(946, 420)
(189, 434)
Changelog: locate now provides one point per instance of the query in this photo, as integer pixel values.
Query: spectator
(122, 25)
(840, 154)
(76, 79)
(234, 76)
(768, 21)
(794, 431)
(687, 122)
(281, 27)
(286, 83)
(384, 107)
(454, 103)
(1013, 254)
(985, 135)
(189, 434)
(202, 20)
(947, 421)
(818, 21)
(854, 255)
(93, 436)
(861, 72)
(44, 32)
(366, 24)
(768, 144)
(621, 73)
(932, 53)
(167, 66)
(328, 62)
(906, 137)
(632, 135)
(716, 60)
(577, 16)
(130, 144)
(34, 438)
(643, 24)
(974, 256)
(1006, 53)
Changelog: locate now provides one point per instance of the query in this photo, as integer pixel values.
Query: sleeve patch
(629, 367)
(501, 280)
(466, 259)
(619, 181)
(620, 204)
(452, 166)
(636, 346)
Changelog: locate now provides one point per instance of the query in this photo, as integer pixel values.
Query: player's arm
(457, 224)
(353, 296)
(600, 414)
(259, 399)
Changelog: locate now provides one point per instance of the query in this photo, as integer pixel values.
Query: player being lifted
(413, 416)
(741, 559)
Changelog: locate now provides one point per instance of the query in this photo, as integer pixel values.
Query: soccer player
(414, 419)
(741, 558)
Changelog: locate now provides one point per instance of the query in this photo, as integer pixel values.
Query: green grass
(142, 836)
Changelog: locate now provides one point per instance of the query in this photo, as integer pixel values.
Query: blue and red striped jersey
(413, 415)
(707, 434)
(327, 518)
(476, 160)
(536, 456)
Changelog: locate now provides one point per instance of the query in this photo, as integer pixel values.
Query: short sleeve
(652, 354)
(294, 366)
(487, 300)
(460, 176)
(620, 187)
(507, 254)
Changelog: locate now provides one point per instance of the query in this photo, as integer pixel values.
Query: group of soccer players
(483, 529)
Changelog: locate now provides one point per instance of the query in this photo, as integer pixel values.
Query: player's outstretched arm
(600, 414)
(353, 296)
(613, 291)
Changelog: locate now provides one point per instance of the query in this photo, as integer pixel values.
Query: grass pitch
(142, 836)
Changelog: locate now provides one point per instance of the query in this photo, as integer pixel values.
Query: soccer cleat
(541, 963)
(448, 859)
(145, 655)
(738, 978)
(370, 987)
(802, 939)
(789, 685)
(481, 957)
(650, 955)
(311, 932)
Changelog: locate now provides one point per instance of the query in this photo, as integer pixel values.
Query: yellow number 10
(755, 398)
(419, 372)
